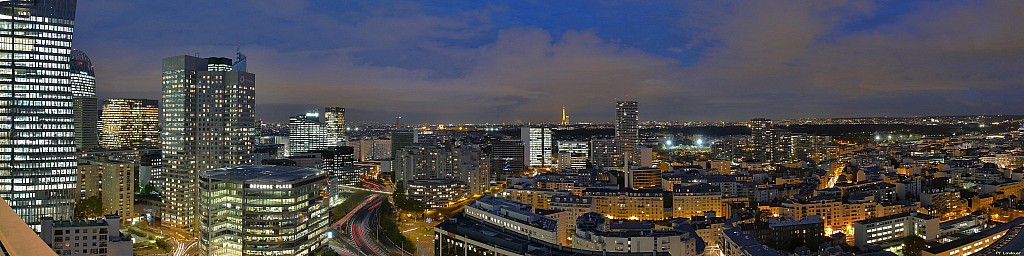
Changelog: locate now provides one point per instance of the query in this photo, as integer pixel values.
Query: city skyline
(522, 61)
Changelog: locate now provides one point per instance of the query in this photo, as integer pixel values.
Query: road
(361, 229)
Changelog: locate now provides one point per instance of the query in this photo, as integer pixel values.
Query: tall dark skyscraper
(83, 86)
(506, 159)
(38, 169)
(207, 113)
(627, 130)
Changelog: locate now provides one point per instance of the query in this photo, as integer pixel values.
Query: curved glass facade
(37, 131)
(262, 210)
(83, 89)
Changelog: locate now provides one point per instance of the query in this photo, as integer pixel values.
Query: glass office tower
(37, 132)
(130, 123)
(208, 121)
(83, 90)
(263, 210)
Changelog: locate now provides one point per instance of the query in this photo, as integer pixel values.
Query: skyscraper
(37, 134)
(506, 159)
(306, 133)
(538, 145)
(334, 120)
(627, 129)
(573, 155)
(208, 119)
(83, 88)
(129, 123)
(769, 144)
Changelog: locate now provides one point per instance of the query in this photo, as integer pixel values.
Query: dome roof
(81, 63)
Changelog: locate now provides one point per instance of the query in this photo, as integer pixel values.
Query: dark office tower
(627, 130)
(401, 139)
(507, 159)
(334, 120)
(339, 164)
(606, 154)
(83, 88)
(38, 169)
(207, 113)
(760, 138)
(769, 144)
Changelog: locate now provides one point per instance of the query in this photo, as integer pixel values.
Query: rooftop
(261, 173)
(482, 232)
(897, 216)
(1013, 224)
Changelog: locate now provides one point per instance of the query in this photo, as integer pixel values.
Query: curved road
(361, 228)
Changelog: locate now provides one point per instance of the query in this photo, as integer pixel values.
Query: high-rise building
(606, 153)
(627, 129)
(506, 159)
(37, 159)
(285, 211)
(769, 144)
(334, 120)
(538, 145)
(208, 121)
(130, 123)
(572, 155)
(402, 138)
(306, 133)
(340, 167)
(113, 182)
(83, 88)
(371, 149)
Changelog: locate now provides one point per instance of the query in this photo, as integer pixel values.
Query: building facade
(538, 146)
(112, 181)
(627, 129)
(130, 123)
(307, 133)
(83, 86)
(86, 237)
(208, 121)
(263, 210)
(436, 193)
(334, 123)
(572, 155)
(606, 154)
(37, 160)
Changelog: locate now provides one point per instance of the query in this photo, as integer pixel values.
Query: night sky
(520, 61)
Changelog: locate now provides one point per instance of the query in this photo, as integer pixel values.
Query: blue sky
(520, 61)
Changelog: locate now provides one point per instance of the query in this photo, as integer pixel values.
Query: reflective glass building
(83, 88)
(334, 122)
(37, 133)
(130, 123)
(263, 210)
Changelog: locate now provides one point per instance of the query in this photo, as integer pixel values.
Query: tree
(89, 208)
(913, 245)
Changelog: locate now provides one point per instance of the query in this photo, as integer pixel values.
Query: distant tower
(240, 63)
(627, 129)
(565, 118)
(307, 133)
(83, 89)
(334, 119)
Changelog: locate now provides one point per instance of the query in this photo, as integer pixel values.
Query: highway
(360, 229)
